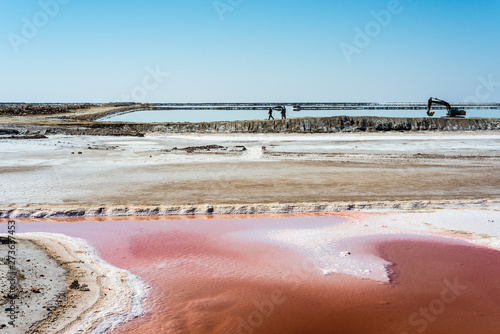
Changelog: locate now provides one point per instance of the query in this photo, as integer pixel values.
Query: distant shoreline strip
(236, 209)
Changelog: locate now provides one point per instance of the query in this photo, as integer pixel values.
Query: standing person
(271, 113)
(283, 113)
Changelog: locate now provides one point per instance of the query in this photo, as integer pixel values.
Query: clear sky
(249, 50)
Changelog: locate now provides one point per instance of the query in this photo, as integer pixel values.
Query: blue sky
(249, 50)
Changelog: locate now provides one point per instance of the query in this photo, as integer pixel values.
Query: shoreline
(93, 296)
(72, 125)
(240, 209)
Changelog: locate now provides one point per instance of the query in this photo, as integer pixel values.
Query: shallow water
(208, 115)
(265, 275)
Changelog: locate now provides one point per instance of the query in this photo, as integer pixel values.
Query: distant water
(209, 115)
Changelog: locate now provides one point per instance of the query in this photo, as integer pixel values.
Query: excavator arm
(436, 101)
(452, 112)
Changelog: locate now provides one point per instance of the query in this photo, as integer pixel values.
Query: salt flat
(245, 169)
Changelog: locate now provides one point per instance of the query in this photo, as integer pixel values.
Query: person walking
(283, 113)
(271, 113)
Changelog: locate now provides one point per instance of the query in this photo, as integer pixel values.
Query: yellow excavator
(451, 112)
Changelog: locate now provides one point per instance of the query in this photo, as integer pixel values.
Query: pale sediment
(233, 209)
(85, 294)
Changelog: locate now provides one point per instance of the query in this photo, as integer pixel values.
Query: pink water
(224, 276)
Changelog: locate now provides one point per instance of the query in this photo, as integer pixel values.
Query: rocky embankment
(351, 124)
(43, 109)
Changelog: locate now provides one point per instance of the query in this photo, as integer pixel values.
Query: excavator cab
(455, 112)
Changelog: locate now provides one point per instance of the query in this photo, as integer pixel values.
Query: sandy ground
(47, 301)
(40, 290)
(247, 169)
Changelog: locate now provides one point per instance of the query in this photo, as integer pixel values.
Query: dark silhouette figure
(271, 113)
(283, 113)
